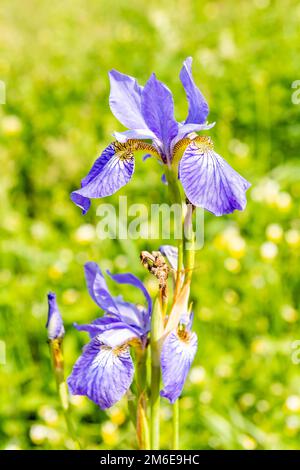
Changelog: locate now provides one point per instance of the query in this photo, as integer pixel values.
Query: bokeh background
(243, 391)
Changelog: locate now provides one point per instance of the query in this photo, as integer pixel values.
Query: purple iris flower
(54, 324)
(180, 345)
(148, 113)
(104, 371)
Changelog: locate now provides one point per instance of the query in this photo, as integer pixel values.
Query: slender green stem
(58, 369)
(156, 335)
(142, 426)
(176, 425)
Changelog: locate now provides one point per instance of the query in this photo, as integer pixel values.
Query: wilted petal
(171, 253)
(177, 355)
(98, 289)
(109, 173)
(125, 100)
(54, 324)
(209, 181)
(198, 107)
(102, 374)
(128, 278)
(158, 110)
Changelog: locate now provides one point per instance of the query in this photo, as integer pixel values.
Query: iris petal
(210, 182)
(176, 358)
(158, 111)
(125, 100)
(98, 289)
(109, 173)
(128, 278)
(198, 107)
(171, 253)
(102, 374)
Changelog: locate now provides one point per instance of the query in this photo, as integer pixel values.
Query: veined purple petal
(171, 253)
(198, 107)
(133, 134)
(210, 182)
(98, 289)
(54, 324)
(177, 355)
(128, 278)
(132, 315)
(109, 173)
(125, 100)
(107, 322)
(102, 374)
(158, 110)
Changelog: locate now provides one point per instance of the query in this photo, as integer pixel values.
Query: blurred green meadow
(243, 391)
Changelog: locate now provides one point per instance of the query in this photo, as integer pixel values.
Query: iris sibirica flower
(104, 371)
(54, 324)
(148, 113)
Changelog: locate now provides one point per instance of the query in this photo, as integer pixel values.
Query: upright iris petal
(209, 181)
(102, 373)
(54, 324)
(177, 355)
(98, 289)
(158, 111)
(125, 100)
(198, 107)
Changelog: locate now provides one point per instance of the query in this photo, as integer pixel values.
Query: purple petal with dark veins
(98, 289)
(102, 374)
(125, 100)
(176, 358)
(158, 110)
(210, 182)
(108, 174)
(198, 107)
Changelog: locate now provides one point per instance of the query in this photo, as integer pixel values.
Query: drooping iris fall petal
(177, 355)
(209, 181)
(102, 373)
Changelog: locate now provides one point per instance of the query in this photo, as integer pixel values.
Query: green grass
(244, 390)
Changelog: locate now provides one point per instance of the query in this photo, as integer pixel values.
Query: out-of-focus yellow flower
(240, 149)
(55, 272)
(231, 296)
(231, 241)
(205, 397)
(277, 389)
(85, 234)
(260, 346)
(117, 415)
(263, 406)
(274, 232)
(247, 400)
(109, 433)
(293, 403)
(11, 125)
(48, 414)
(292, 424)
(205, 314)
(70, 296)
(283, 201)
(224, 371)
(289, 314)
(197, 375)
(268, 251)
(121, 262)
(39, 434)
(267, 192)
(248, 442)
(187, 403)
(292, 237)
(232, 265)
(77, 400)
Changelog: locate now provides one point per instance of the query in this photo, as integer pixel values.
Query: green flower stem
(176, 426)
(58, 369)
(156, 335)
(142, 426)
